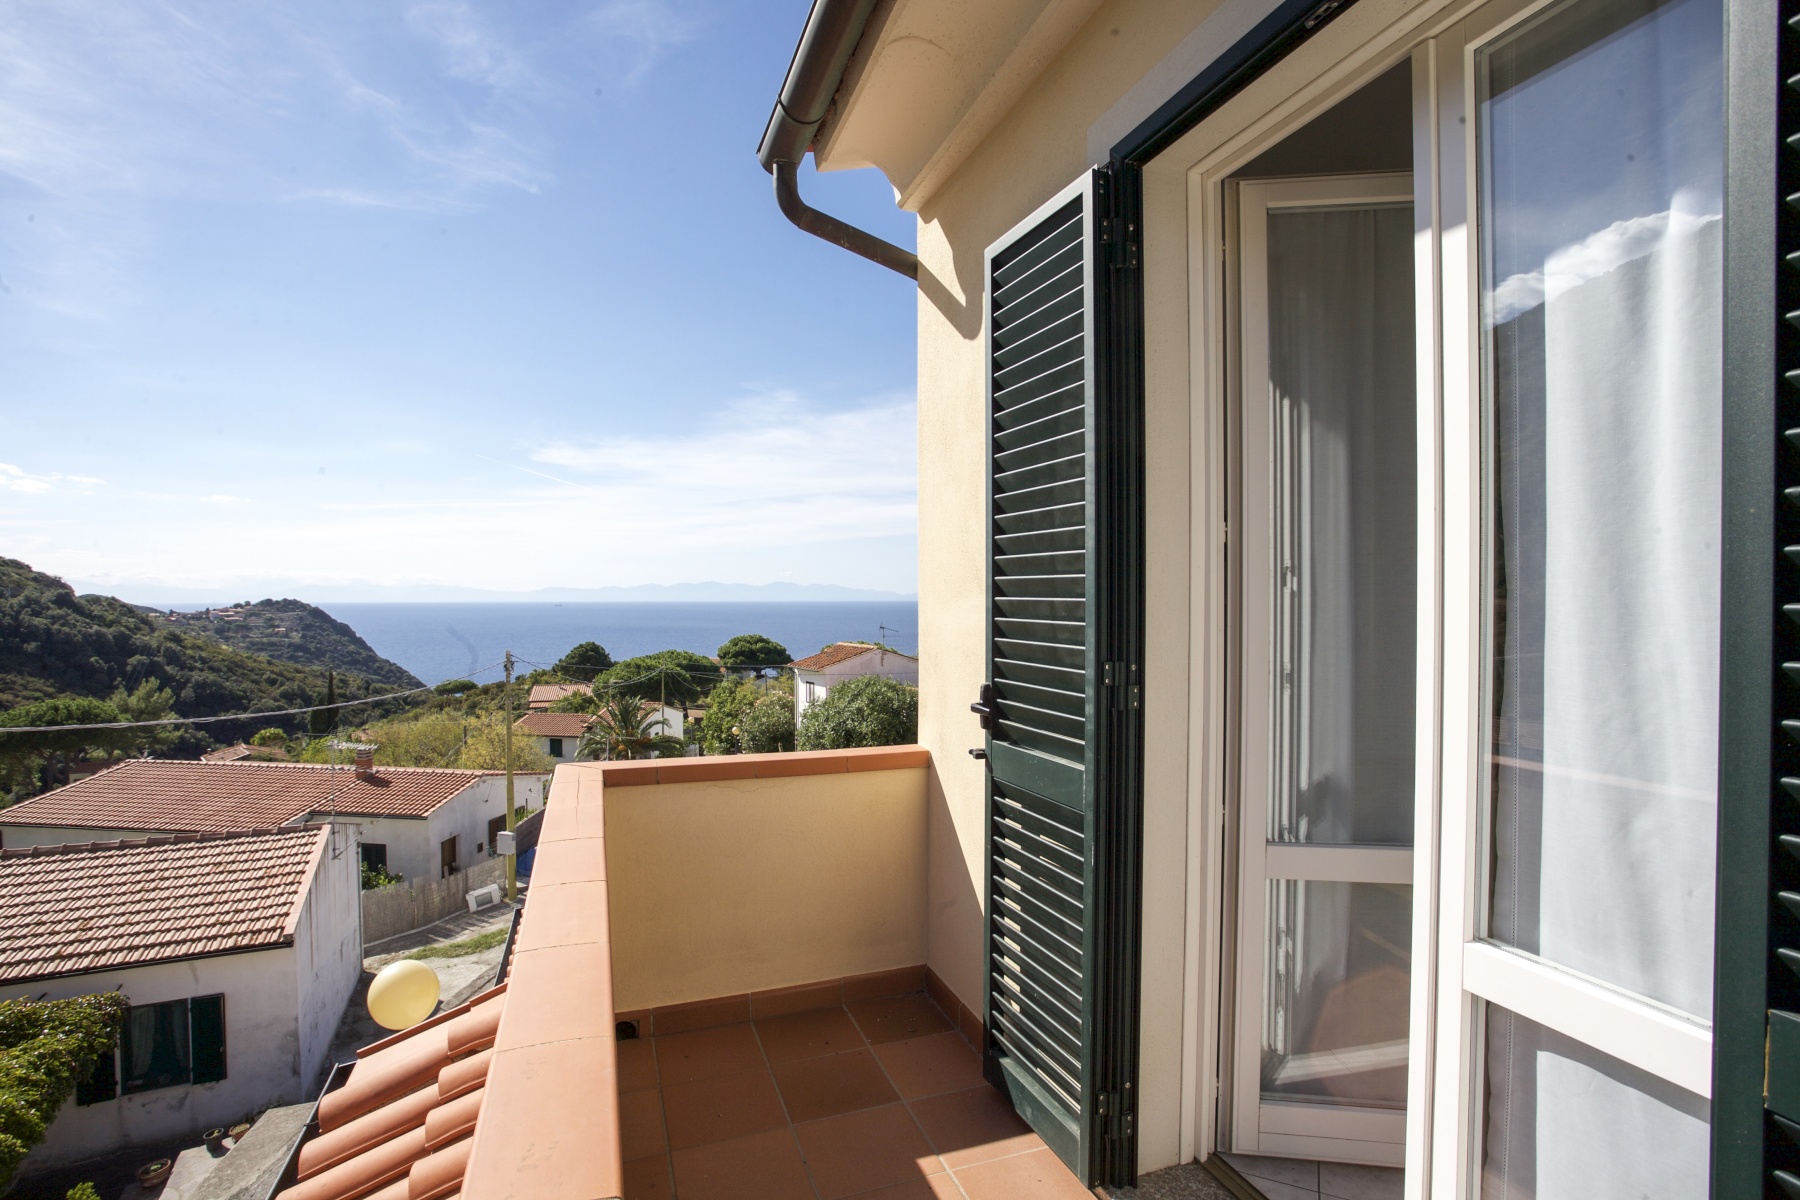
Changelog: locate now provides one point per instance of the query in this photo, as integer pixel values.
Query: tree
(753, 650)
(149, 701)
(668, 676)
(627, 727)
(272, 736)
(23, 756)
(323, 720)
(768, 728)
(585, 662)
(455, 687)
(725, 711)
(867, 711)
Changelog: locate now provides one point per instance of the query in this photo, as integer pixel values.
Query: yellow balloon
(403, 994)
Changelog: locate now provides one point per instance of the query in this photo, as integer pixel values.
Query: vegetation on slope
(291, 631)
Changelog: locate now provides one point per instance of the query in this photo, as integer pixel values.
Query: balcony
(718, 989)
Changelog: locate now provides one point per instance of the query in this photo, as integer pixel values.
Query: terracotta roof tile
(103, 905)
(832, 655)
(175, 796)
(549, 724)
(400, 1127)
(543, 695)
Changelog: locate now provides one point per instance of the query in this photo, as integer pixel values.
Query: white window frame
(1455, 969)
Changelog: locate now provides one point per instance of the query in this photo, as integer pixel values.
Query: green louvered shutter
(1060, 707)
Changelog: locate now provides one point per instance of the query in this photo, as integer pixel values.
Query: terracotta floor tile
(931, 1066)
(707, 1053)
(898, 1018)
(1039, 1175)
(763, 1166)
(932, 1187)
(641, 1125)
(714, 1110)
(808, 1034)
(837, 1083)
(862, 1151)
(637, 1065)
(648, 1179)
(973, 1126)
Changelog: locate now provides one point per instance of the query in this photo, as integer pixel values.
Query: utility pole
(512, 860)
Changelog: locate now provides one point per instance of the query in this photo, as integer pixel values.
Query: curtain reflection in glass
(1342, 385)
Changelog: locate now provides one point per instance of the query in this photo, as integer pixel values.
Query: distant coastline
(157, 595)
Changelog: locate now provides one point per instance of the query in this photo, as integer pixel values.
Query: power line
(280, 712)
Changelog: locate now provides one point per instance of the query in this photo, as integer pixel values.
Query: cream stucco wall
(730, 886)
(1037, 149)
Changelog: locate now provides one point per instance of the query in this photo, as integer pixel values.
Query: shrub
(379, 877)
(83, 1191)
(46, 1047)
(768, 727)
(269, 737)
(725, 708)
(867, 711)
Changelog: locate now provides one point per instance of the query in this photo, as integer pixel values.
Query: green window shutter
(206, 1017)
(1061, 701)
(103, 1083)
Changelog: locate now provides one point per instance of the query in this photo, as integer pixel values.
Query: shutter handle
(984, 707)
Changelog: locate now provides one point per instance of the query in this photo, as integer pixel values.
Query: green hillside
(55, 643)
(291, 631)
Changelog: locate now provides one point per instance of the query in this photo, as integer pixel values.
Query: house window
(556, 748)
(812, 691)
(171, 1044)
(374, 855)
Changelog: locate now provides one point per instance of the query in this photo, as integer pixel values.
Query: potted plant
(213, 1137)
(153, 1175)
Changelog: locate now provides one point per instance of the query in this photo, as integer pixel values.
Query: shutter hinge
(1115, 1115)
(1123, 677)
(1120, 238)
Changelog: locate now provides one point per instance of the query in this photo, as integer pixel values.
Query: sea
(469, 640)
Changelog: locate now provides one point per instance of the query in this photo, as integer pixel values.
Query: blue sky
(493, 295)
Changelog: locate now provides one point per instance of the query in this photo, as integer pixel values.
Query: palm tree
(626, 728)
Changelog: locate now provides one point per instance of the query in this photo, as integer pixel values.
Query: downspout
(832, 30)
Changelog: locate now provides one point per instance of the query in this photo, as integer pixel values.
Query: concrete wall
(394, 910)
(327, 952)
(736, 885)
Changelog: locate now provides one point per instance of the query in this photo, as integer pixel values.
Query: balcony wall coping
(549, 1126)
(758, 766)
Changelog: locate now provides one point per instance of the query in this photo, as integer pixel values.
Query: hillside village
(210, 915)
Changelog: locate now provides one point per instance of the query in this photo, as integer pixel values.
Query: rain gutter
(833, 29)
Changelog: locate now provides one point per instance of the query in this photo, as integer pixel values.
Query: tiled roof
(104, 905)
(174, 796)
(832, 655)
(543, 695)
(549, 724)
(401, 1127)
(227, 753)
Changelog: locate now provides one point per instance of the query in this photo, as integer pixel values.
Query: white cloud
(12, 479)
(1592, 257)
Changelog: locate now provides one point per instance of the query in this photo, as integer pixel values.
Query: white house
(418, 822)
(558, 735)
(815, 676)
(237, 951)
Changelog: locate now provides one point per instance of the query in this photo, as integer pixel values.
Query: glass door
(1327, 591)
